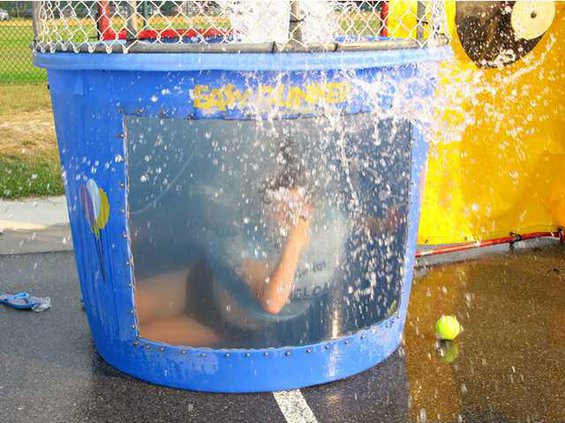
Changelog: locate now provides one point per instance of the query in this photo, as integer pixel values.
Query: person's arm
(273, 290)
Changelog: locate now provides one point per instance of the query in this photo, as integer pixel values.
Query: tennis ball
(447, 328)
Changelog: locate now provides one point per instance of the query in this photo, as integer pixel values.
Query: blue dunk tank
(243, 220)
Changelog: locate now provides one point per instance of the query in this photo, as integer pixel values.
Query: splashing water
(224, 198)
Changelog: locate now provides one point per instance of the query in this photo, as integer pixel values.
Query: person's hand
(299, 205)
(290, 212)
(302, 210)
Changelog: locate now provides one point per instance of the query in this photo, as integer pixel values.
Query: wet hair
(289, 173)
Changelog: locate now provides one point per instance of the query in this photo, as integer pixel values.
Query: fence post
(36, 5)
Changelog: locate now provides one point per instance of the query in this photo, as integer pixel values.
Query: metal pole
(145, 14)
(236, 48)
(420, 21)
(295, 25)
(131, 23)
(36, 5)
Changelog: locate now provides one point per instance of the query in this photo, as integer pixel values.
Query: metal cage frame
(429, 30)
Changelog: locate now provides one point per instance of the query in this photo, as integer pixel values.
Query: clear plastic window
(252, 234)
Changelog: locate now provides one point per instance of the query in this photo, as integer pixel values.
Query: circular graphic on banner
(497, 34)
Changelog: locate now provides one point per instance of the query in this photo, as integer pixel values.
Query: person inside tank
(260, 280)
(250, 278)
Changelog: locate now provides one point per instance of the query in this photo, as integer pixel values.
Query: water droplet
(423, 416)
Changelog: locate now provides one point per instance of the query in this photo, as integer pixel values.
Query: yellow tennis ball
(447, 328)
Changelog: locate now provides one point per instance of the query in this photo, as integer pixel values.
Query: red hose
(488, 243)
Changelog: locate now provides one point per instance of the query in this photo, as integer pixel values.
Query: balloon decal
(96, 211)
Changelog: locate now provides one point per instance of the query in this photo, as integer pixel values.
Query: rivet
(183, 351)
(132, 311)
(266, 353)
(247, 355)
(120, 135)
(161, 349)
(148, 347)
(362, 336)
(125, 234)
(133, 326)
(287, 353)
(227, 355)
(308, 350)
(129, 284)
(327, 347)
(135, 343)
(347, 342)
(139, 111)
(122, 185)
(202, 354)
(122, 210)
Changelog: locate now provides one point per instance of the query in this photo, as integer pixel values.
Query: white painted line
(15, 225)
(294, 407)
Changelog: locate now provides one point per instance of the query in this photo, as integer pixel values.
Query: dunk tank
(243, 181)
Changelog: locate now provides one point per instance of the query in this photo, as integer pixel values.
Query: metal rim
(271, 47)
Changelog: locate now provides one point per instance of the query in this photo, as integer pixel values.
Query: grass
(29, 161)
(15, 53)
(31, 177)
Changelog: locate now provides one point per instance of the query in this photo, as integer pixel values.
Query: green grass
(21, 177)
(28, 153)
(29, 162)
(15, 53)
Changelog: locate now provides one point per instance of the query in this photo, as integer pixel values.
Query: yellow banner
(497, 162)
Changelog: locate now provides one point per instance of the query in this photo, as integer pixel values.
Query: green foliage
(21, 177)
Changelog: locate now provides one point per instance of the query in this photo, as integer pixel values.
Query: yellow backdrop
(497, 160)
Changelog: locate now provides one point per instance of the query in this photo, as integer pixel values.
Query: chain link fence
(261, 25)
(237, 25)
(16, 35)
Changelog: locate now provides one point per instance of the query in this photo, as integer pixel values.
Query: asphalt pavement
(506, 366)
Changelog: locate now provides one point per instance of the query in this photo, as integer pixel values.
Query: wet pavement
(34, 225)
(507, 366)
